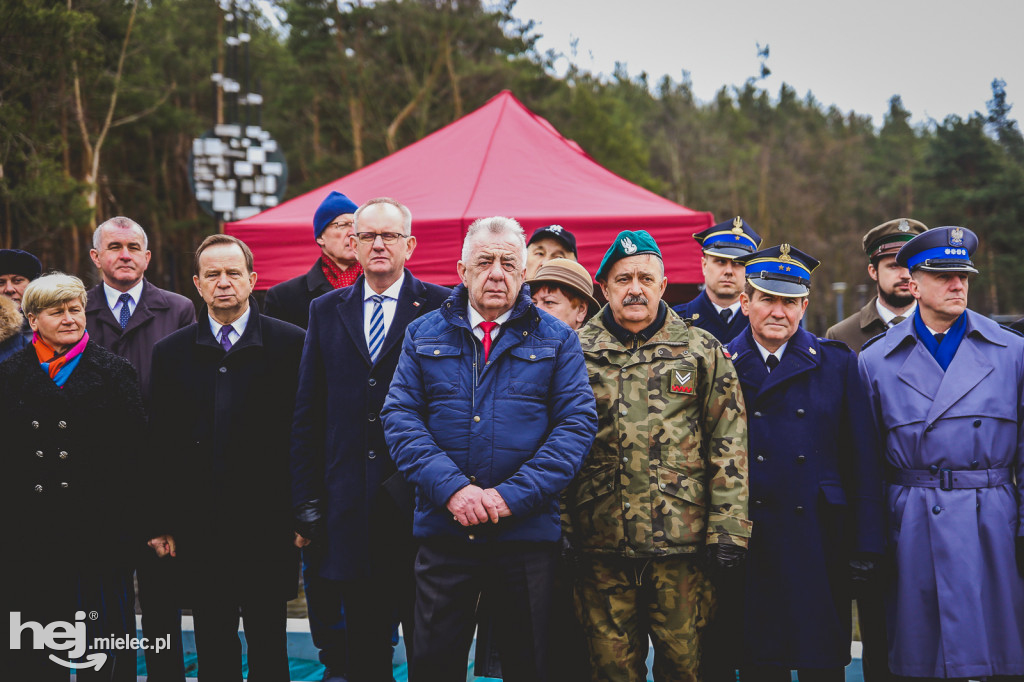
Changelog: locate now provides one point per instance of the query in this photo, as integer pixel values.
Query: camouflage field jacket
(668, 470)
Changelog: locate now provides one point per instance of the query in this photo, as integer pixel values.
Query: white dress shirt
(115, 305)
(888, 315)
(765, 352)
(476, 318)
(388, 306)
(735, 308)
(237, 327)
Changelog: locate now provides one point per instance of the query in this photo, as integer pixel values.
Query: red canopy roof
(502, 159)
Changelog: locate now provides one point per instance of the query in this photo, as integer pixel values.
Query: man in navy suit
(353, 510)
(815, 479)
(716, 310)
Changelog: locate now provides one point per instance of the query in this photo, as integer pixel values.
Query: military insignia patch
(681, 382)
(956, 237)
(628, 246)
(737, 225)
(784, 253)
(904, 226)
(557, 229)
(695, 316)
(812, 351)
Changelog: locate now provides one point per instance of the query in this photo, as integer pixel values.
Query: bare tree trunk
(410, 108)
(452, 75)
(317, 151)
(355, 109)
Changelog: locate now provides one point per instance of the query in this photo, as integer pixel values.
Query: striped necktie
(376, 326)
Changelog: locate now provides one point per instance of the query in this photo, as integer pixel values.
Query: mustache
(632, 300)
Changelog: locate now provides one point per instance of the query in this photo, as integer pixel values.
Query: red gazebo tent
(501, 159)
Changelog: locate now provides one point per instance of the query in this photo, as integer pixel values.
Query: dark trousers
(721, 648)
(161, 617)
(871, 616)
(450, 578)
(326, 616)
(762, 673)
(219, 648)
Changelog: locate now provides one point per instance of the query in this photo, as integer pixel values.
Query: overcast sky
(939, 55)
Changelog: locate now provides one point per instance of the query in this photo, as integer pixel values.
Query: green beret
(628, 243)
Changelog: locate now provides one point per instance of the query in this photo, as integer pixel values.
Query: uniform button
(63, 454)
(757, 414)
(532, 356)
(372, 454)
(476, 418)
(800, 412)
(39, 453)
(760, 458)
(931, 427)
(525, 333)
(62, 424)
(630, 553)
(373, 382)
(222, 370)
(38, 488)
(933, 469)
(64, 485)
(472, 537)
(437, 352)
(977, 423)
(799, 509)
(371, 417)
(626, 506)
(800, 459)
(936, 509)
(34, 425)
(758, 503)
(661, 485)
(472, 479)
(625, 460)
(975, 464)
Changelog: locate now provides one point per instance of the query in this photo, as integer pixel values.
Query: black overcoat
(219, 478)
(339, 455)
(289, 300)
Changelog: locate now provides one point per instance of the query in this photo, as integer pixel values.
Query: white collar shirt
(476, 318)
(888, 315)
(388, 306)
(113, 299)
(765, 352)
(237, 327)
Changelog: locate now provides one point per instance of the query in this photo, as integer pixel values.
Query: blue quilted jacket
(521, 423)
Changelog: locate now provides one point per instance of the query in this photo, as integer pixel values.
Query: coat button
(62, 424)
(372, 382)
(371, 417)
(625, 460)
(476, 418)
(626, 506)
(933, 469)
(936, 509)
(532, 356)
(757, 414)
(38, 488)
(437, 352)
(372, 454)
(800, 412)
(799, 509)
(661, 485)
(222, 370)
(760, 458)
(63, 454)
(931, 427)
(64, 484)
(471, 536)
(800, 459)
(758, 503)
(472, 479)
(975, 464)
(34, 425)
(39, 453)
(977, 423)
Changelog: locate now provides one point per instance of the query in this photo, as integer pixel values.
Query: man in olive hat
(666, 481)
(893, 303)
(946, 391)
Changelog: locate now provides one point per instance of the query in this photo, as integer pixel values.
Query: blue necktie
(126, 313)
(376, 327)
(225, 342)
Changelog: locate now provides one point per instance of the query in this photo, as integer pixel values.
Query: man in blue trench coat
(815, 479)
(947, 392)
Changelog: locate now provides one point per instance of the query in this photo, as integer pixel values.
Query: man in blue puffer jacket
(489, 415)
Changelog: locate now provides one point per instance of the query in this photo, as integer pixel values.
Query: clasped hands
(473, 505)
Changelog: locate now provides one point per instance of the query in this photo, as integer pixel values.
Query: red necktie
(487, 328)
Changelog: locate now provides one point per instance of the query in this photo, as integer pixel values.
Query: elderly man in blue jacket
(489, 416)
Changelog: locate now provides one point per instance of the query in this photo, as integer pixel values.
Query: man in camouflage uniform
(666, 480)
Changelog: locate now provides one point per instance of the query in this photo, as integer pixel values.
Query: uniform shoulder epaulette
(871, 341)
(1012, 330)
(832, 342)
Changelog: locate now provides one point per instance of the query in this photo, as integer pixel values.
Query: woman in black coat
(72, 426)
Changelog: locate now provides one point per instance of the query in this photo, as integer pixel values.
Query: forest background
(100, 101)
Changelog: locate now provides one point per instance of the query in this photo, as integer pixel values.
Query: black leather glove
(864, 569)
(720, 559)
(309, 520)
(1020, 555)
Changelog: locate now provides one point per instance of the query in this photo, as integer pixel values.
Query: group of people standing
(571, 481)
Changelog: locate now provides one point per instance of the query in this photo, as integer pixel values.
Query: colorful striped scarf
(58, 366)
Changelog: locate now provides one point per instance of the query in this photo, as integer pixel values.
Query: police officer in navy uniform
(717, 308)
(815, 479)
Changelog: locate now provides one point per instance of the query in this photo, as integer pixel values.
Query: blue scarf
(942, 352)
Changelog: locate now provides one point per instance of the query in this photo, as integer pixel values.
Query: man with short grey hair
(489, 416)
(127, 315)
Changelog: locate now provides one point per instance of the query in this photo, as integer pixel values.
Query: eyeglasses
(344, 225)
(386, 237)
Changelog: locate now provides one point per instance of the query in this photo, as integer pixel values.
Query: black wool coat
(69, 466)
(218, 479)
(289, 300)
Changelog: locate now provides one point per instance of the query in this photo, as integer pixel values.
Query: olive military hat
(889, 237)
